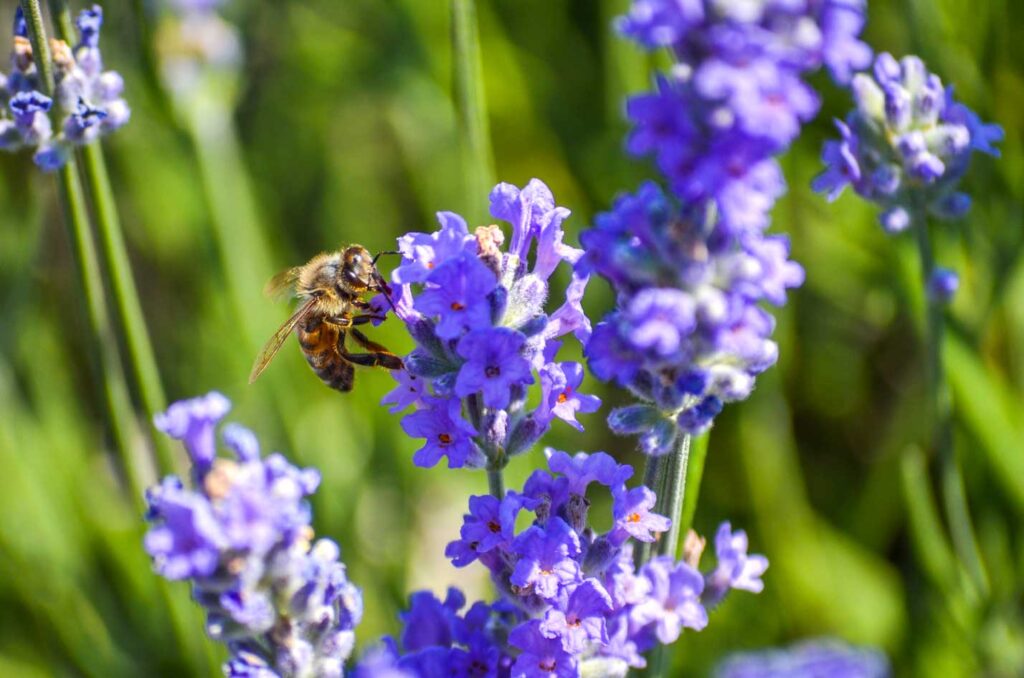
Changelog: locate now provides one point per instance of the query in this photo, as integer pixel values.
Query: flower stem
(940, 405)
(114, 257)
(694, 475)
(496, 482)
(471, 106)
(123, 424)
(673, 492)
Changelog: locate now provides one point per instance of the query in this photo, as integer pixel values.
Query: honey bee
(331, 286)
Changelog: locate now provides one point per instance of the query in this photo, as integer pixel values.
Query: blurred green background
(344, 130)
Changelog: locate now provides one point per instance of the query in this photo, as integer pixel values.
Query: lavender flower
(87, 100)
(571, 601)
(691, 271)
(477, 313)
(689, 333)
(808, 659)
(907, 144)
(736, 97)
(242, 536)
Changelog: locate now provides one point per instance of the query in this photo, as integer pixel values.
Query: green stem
(122, 417)
(40, 48)
(940, 405)
(76, 218)
(471, 106)
(496, 482)
(694, 475)
(131, 321)
(670, 501)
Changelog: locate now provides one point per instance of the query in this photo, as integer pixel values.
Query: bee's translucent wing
(282, 283)
(274, 344)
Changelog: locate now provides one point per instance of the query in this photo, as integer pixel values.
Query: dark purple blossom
(547, 558)
(457, 295)
(494, 365)
(446, 432)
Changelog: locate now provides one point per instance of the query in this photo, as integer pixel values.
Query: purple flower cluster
(87, 98)
(809, 659)
(689, 333)
(483, 335)
(907, 143)
(242, 536)
(736, 98)
(691, 271)
(572, 602)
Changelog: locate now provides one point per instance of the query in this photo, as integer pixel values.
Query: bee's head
(357, 272)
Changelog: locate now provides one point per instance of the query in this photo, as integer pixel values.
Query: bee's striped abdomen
(319, 341)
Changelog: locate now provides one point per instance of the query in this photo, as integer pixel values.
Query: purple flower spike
(633, 517)
(580, 620)
(446, 433)
(547, 558)
(494, 364)
(242, 536)
(193, 422)
(907, 141)
(541, 657)
(674, 603)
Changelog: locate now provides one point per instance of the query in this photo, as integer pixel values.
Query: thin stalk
(694, 475)
(121, 415)
(496, 482)
(123, 423)
(940, 404)
(76, 218)
(471, 105)
(670, 501)
(131, 321)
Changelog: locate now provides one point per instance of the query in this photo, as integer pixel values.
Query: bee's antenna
(380, 254)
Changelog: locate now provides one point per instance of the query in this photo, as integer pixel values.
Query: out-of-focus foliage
(347, 129)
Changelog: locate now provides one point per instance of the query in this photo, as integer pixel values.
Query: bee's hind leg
(377, 355)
